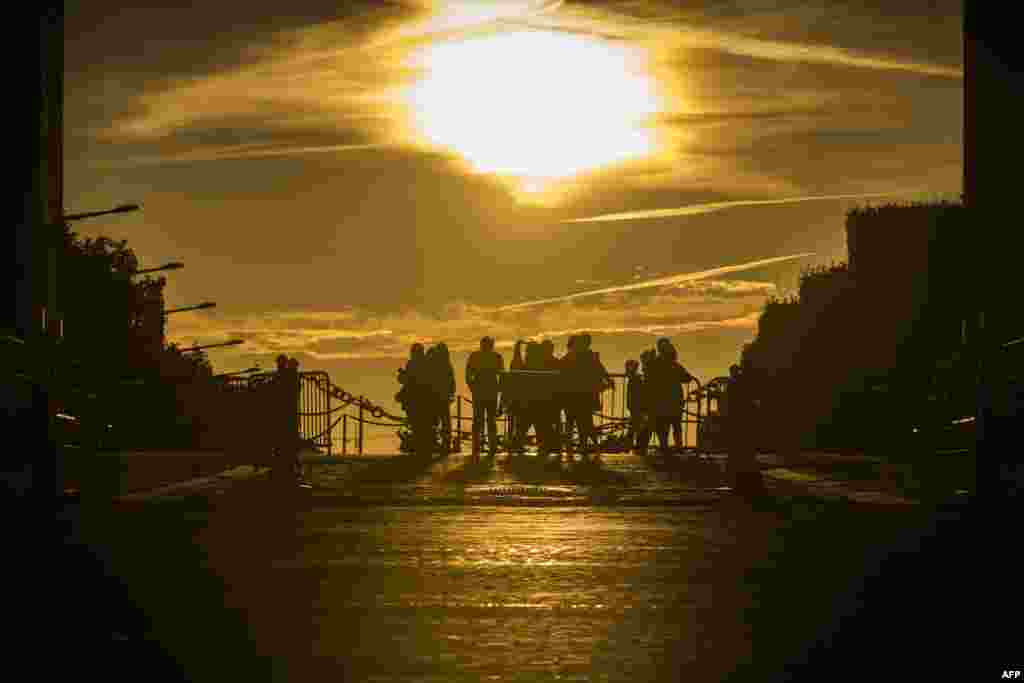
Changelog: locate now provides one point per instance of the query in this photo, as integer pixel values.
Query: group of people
(428, 390)
(654, 397)
(536, 391)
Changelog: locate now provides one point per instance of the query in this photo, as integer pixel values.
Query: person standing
(415, 399)
(648, 364)
(666, 396)
(564, 393)
(551, 411)
(679, 377)
(512, 399)
(483, 371)
(536, 398)
(586, 378)
(443, 378)
(634, 392)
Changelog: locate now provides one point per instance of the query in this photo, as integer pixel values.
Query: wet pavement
(613, 568)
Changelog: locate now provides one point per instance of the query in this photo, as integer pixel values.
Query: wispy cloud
(660, 282)
(697, 209)
(231, 152)
(681, 306)
(784, 51)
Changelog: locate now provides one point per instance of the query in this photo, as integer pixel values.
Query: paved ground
(613, 568)
(625, 479)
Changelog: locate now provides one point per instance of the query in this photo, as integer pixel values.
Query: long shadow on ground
(700, 472)
(392, 470)
(470, 471)
(587, 471)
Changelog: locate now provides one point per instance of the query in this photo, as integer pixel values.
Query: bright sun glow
(535, 107)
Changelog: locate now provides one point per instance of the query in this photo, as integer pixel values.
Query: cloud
(783, 51)
(745, 31)
(697, 209)
(243, 151)
(659, 282)
(681, 307)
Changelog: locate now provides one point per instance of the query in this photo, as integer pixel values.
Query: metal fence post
(360, 425)
(458, 430)
(327, 421)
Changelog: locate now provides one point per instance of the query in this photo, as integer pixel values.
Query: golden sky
(347, 178)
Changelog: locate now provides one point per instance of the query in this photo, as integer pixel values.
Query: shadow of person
(400, 469)
(471, 470)
(589, 470)
(700, 471)
(537, 469)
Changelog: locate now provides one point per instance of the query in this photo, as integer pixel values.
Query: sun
(535, 108)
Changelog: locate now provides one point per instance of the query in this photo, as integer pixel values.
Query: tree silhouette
(886, 318)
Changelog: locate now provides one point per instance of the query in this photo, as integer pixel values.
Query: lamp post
(122, 208)
(196, 307)
(236, 373)
(233, 342)
(173, 265)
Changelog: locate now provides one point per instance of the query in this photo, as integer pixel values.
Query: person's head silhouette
(631, 367)
(282, 362)
(487, 344)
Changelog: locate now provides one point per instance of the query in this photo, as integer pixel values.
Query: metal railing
(612, 421)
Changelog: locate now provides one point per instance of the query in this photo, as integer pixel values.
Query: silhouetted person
(433, 398)
(585, 378)
(539, 398)
(564, 394)
(740, 419)
(483, 370)
(512, 399)
(551, 408)
(648, 362)
(634, 403)
(415, 399)
(680, 377)
(666, 394)
(442, 381)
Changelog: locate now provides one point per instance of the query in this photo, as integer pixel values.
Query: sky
(345, 179)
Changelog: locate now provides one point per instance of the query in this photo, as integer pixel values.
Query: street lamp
(233, 342)
(238, 372)
(173, 265)
(123, 208)
(196, 307)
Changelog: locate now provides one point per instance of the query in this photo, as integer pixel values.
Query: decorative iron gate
(314, 410)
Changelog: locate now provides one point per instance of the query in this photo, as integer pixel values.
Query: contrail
(658, 282)
(697, 209)
(241, 152)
